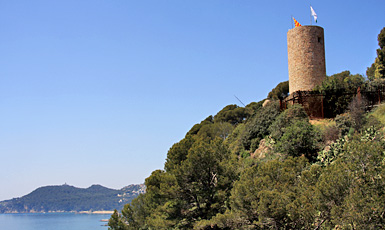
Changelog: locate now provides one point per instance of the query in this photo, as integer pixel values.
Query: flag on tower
(313, 14)
(296, 23)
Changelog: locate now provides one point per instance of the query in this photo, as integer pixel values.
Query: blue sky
(96, 92)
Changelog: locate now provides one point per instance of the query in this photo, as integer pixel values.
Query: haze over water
(49, 221)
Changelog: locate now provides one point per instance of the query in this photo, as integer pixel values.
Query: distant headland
(66, 198)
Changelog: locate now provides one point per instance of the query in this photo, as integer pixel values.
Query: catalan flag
(296, 23)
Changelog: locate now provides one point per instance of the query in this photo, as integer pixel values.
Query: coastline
(95, 212)
(101, 212)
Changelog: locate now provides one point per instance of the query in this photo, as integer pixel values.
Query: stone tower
(306, 53)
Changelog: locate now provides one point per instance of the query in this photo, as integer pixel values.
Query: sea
(53, 221)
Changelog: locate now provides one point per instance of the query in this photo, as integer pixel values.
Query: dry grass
(379, 113)
(322, 123)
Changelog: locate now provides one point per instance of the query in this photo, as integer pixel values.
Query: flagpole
(292, 26)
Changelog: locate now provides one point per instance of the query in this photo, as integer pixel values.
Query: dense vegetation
(257, 167)
(377, 69)
(68, 198)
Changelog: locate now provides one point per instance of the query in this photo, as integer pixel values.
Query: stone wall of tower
(306, 54)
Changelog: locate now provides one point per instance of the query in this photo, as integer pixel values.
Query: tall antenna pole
(240, 101)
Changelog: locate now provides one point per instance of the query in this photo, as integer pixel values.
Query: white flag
(313, 14)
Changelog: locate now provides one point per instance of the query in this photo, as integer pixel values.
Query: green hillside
(67, 198)
(260, 167)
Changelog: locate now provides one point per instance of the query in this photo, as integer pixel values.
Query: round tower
(306, 53)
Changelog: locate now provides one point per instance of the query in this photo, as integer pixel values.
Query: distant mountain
(66, 198)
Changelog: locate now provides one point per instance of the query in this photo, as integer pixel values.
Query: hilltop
(257, 167)
(264, 166)
(67, 198)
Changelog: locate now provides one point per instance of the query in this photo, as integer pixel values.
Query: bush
(234, 140)
(372, 121)
(357, 111)
(280, 91)
(289, 116)
(258, 125)
(343, 123)
(233, 114)
(379, 113)
(339, 89)
(299, 138)
(330, 133)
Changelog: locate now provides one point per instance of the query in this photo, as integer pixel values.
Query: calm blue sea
(53, 221)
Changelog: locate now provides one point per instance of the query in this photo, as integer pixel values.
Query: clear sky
(97, 91)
